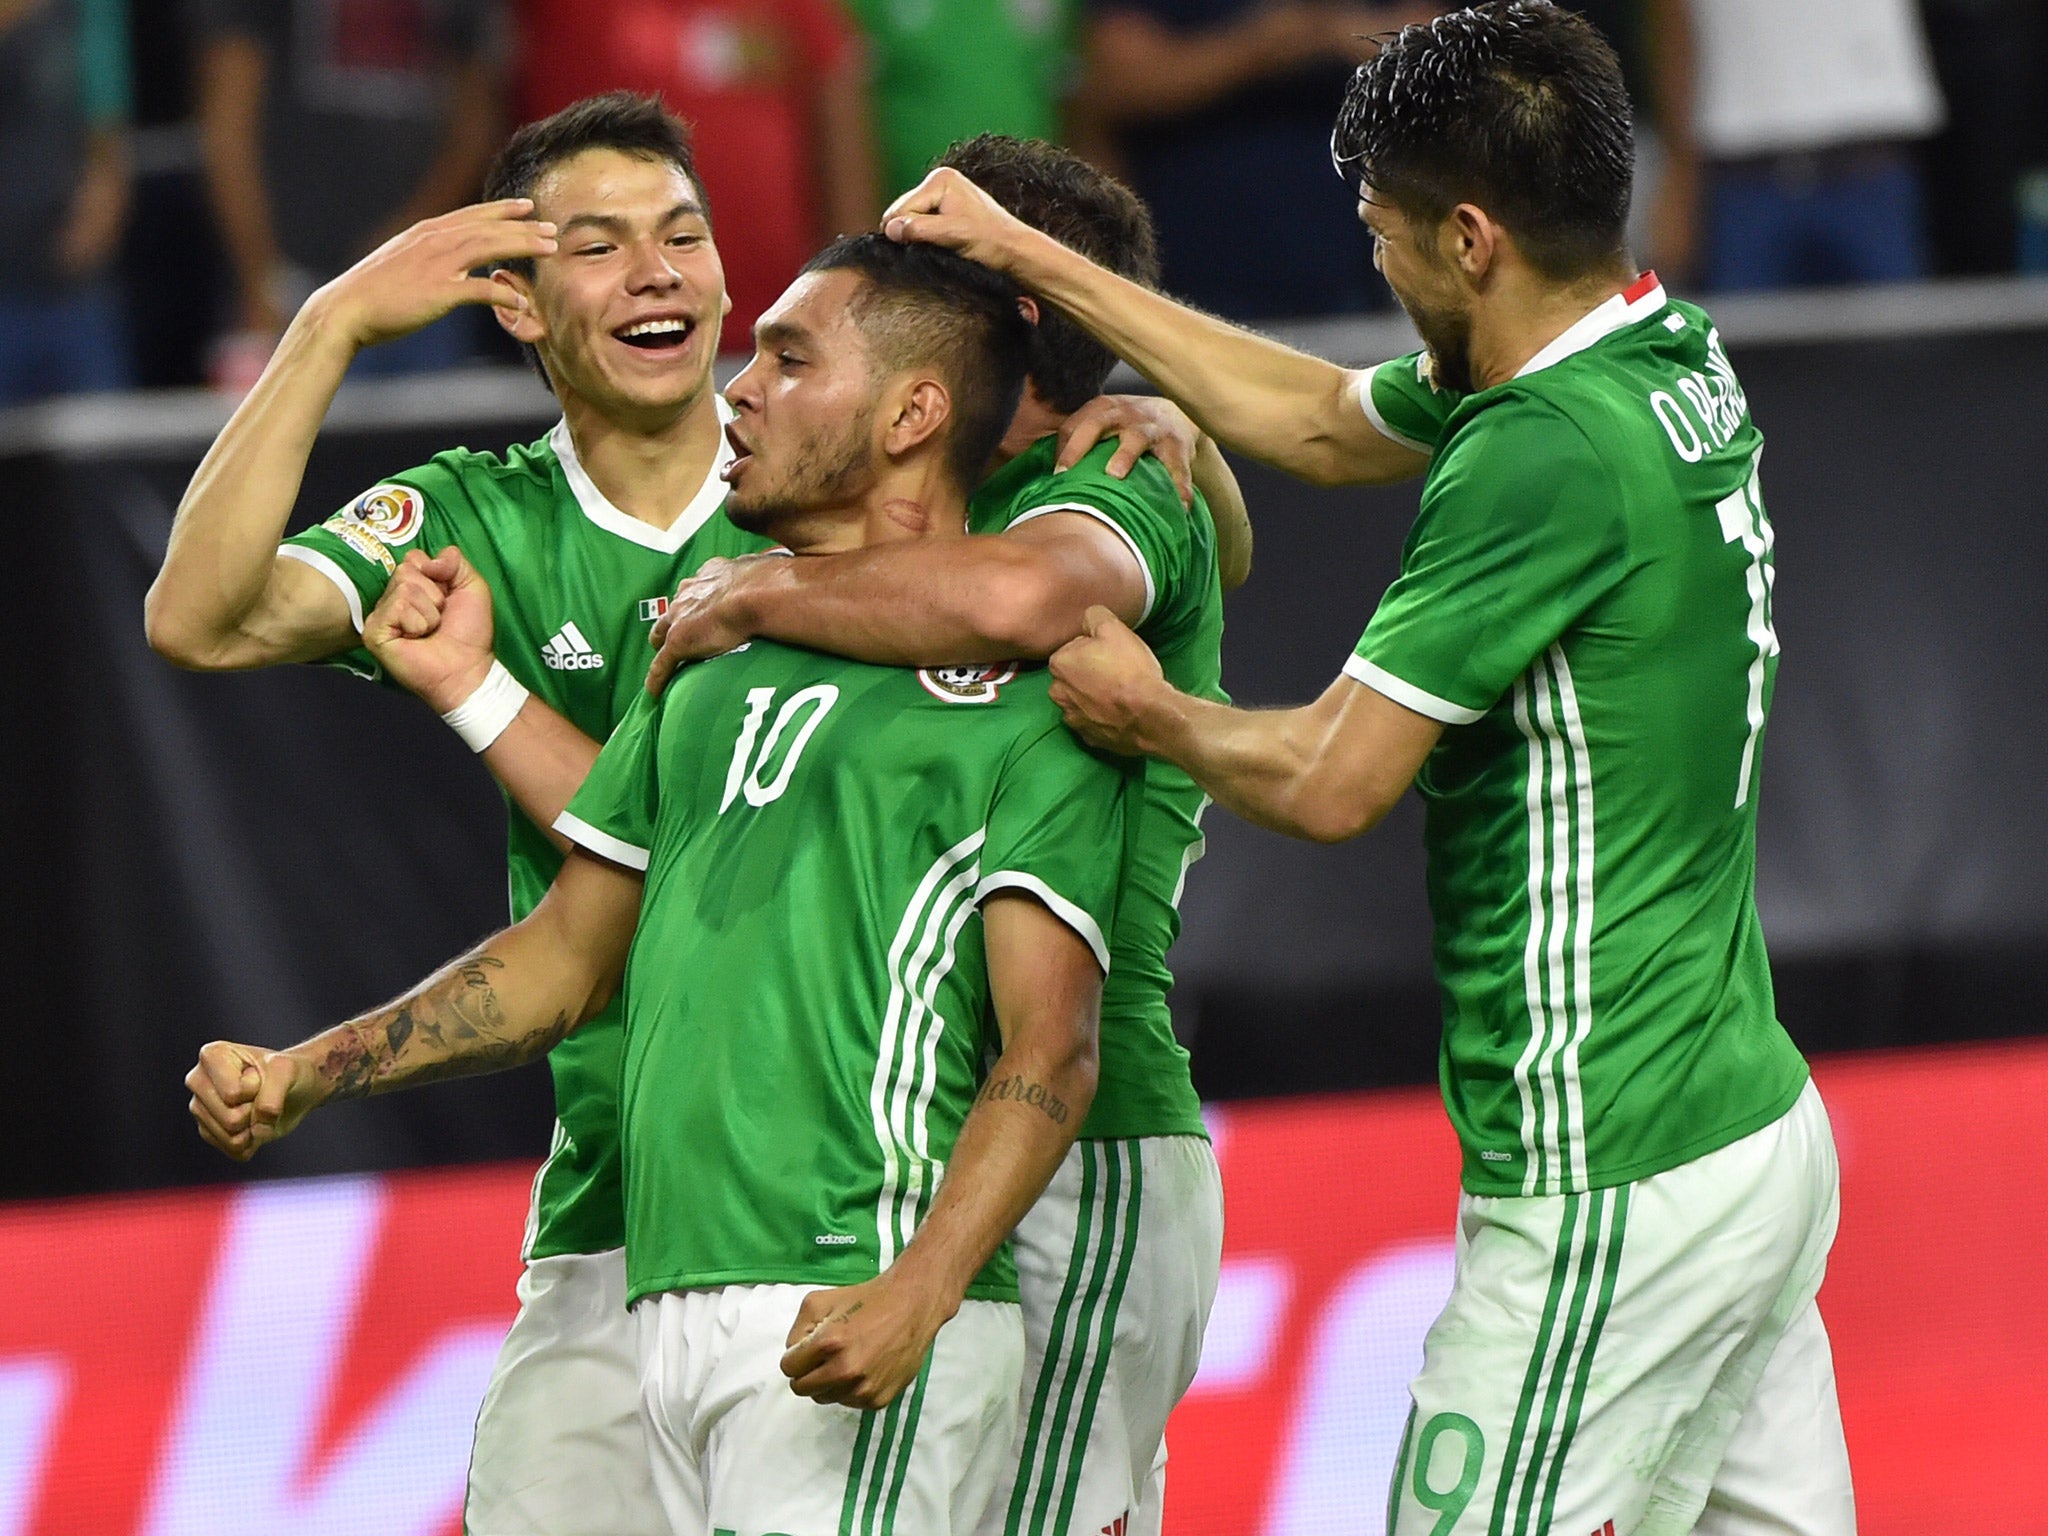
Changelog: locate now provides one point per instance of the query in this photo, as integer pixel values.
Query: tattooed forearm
(456, 1026)
(1017, 1090)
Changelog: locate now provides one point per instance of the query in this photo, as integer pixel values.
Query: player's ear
(922, 408)
(1470, 240)
(517, 312)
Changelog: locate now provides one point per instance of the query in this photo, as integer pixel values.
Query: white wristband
(481, 718)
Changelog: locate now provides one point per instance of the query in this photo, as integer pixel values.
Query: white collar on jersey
(1640, 300)
(598, 508)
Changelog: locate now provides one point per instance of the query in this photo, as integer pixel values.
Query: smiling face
(1427, 284)
(805, 409)
(626, 311)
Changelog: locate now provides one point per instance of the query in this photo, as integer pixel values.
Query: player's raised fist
(432, 629)
(1106, 683)
(424, 272)
(949, 210)
(861, 1345)
(244, 1097)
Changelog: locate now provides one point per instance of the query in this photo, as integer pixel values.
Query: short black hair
(624, 121)
(921, 305)
(1084, 209)
(617, 120)
(1515, 105)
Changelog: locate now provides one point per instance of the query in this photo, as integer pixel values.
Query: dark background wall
(254, 857)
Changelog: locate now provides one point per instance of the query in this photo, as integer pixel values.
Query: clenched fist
(245, 1097)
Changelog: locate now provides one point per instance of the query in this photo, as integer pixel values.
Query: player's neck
(649, 471)
(1526, 312)
(909, 501)
(1035, 419)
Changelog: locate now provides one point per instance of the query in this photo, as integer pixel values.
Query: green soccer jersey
(1145, 1089)
(1585, 600)
(575, 586)
(1403, 400)
(807, 998)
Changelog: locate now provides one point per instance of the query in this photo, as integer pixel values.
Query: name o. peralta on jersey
(1585, 602)
(576, 585)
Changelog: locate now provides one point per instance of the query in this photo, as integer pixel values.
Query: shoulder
(467, 484)
(1514, 448)
(1088, 486)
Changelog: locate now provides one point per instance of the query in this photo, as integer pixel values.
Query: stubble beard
(828, 470)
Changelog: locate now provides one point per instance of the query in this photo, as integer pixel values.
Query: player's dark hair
(623, 121)
(923, 306)
(1516, 106)
(1086, 211)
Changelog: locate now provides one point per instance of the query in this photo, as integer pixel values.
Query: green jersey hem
(1650, 1167)
(711, 1279)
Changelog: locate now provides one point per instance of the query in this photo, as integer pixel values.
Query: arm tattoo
(454, 1027)
(1016, 1089)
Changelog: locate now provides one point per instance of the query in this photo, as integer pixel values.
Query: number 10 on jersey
(1743, 522)
(746, 775)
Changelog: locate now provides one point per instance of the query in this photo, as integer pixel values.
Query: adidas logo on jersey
(568, 651)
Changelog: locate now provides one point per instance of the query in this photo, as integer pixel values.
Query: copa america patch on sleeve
(383, 516)
(391, 514)
(966, 685)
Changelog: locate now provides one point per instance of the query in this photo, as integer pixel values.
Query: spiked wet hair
(1516, 106)
(922, 306)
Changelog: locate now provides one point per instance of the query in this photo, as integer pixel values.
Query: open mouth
(742, 455)
(657, 336)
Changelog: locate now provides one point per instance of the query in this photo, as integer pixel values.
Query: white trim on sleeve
(1063, 909)
(1361, 386)
(332, 572)
(1381, 681)
(1115, 527)
(603, 844)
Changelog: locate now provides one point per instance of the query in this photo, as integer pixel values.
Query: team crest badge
(966, 685)
(390, 514)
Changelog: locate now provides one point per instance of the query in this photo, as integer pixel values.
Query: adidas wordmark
(568, 651)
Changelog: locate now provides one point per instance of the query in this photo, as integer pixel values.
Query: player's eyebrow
(612, 224)
(773, 333)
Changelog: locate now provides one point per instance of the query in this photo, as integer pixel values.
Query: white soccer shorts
(1117, 1264)
(559, 1446)
(1645, 1360)
(736, 1452)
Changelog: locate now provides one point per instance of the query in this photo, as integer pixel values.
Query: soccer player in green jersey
(1139, 1199)
(804, 1101)
(1574, 669)
(608, 270)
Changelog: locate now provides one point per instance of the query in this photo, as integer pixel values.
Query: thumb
(1099, 621)
(278, 1074)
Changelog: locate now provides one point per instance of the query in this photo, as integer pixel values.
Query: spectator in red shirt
(775, 91)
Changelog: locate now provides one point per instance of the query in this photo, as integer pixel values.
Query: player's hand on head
(1105, 682)
(949, 210)
(432, 630)
(862, 1345)
(1141, 424)
(700, 620)
(245, 1097)
(426, 271)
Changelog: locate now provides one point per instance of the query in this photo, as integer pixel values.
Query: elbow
(173, 635)
(1081, 1074)
(1234, 568)
(1338, 818)
(1022, 613)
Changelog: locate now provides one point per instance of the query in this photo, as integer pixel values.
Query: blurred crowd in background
(180, 174)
